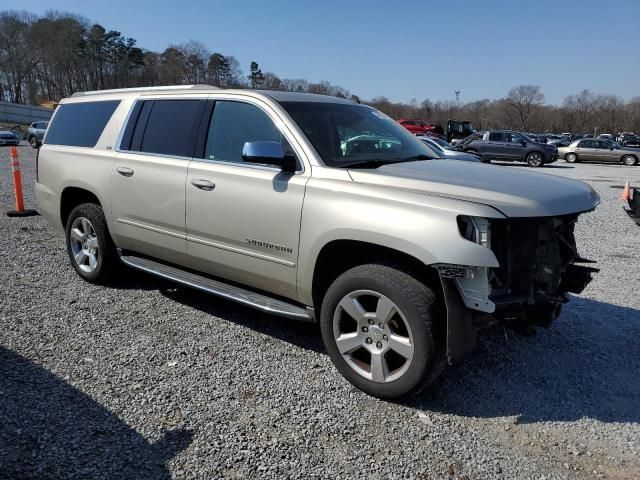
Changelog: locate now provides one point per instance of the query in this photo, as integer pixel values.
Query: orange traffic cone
(17, 187)
(626, 192)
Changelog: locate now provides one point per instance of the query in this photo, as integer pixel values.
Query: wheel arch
(338, 256)
(71, 197)
(628, 155)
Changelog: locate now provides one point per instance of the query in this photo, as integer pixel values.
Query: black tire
(418, 305)
(33, 141)
(571, 158)
(535, 159)
(629, 160)
(107, 257)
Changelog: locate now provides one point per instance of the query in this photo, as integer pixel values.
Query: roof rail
(147, 89)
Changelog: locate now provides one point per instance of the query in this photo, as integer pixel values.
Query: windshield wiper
(378, 162)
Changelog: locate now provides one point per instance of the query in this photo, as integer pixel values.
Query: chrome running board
(230, 292)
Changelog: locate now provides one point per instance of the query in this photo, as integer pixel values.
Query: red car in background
(420, 127)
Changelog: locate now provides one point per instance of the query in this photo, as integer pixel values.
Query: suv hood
(512, 190)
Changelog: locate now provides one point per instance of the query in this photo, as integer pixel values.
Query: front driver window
(233, 124)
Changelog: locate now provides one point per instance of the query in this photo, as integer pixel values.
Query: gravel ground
(147, 380)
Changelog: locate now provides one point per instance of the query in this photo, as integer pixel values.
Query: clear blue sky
(402, 50)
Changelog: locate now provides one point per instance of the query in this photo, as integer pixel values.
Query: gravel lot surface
(147, 380)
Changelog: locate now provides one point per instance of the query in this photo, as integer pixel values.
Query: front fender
(419, 225)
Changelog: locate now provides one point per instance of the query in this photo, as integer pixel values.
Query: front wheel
(379, 327)
(629, 160)
(534, 159)
(33, 141)
(89, 245)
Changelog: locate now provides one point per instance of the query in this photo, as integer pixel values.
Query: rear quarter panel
(60, 167)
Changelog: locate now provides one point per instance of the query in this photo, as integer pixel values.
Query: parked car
(7, 137)
(442, 152)
(513, 147)
(458, 130)
(558, 140)
(17, 129)
(420, 126)
(598, 150)
(249, 196)
(631, 141)
(35, 133)
(606, 136)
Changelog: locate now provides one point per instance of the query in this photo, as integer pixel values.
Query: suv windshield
(345, 134)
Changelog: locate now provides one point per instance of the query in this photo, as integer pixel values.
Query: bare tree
(524, 99)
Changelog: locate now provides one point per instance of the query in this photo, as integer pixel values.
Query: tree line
(49, 57)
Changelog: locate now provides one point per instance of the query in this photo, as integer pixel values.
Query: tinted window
(606, 145)
(513, 138)
(170, 129)
(496, 137)
(233, 124)
(80, 124)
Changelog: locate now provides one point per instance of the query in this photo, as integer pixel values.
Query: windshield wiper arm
(378, 162)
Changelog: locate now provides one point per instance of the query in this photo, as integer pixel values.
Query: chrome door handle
(125, 171)
(203, 184)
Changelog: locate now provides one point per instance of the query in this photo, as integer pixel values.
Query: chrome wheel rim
(84, 244)
(629, 160)
(373, 336)
(535, 159)
(571, 158)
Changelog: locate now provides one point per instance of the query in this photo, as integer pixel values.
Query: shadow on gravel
(302, 334)
(49, 429)
(587, 365)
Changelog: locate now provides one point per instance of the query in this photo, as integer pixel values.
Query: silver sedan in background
(598, 150)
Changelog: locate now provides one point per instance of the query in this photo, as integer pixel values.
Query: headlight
(475, 229)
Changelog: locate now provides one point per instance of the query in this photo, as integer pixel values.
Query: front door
(514, 146)
(604, 152)
(243, 220)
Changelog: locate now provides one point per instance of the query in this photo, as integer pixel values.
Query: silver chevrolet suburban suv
(313, 208)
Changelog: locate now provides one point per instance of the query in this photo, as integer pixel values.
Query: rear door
(149, 175)
(586, 151)
(494, 147)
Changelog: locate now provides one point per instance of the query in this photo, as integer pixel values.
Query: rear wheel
(33, 141)
(378, 327)
(89, 245)
(629, 160)
(571, 157)
(534, 159)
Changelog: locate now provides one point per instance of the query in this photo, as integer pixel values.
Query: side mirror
(523, 143)
(268, 153)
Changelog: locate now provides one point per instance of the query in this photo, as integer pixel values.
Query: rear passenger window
(80, 124)
(171, 127)
(233, 124)
(496, 137)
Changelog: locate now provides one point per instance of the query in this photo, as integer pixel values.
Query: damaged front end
(538, 265)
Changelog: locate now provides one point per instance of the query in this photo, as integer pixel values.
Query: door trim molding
(241, 251)
(152, 229)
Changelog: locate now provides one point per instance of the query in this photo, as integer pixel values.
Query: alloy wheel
(373, 336)
(534, 159)
(84, 244)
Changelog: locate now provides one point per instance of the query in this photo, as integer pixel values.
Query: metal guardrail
(23, 114)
